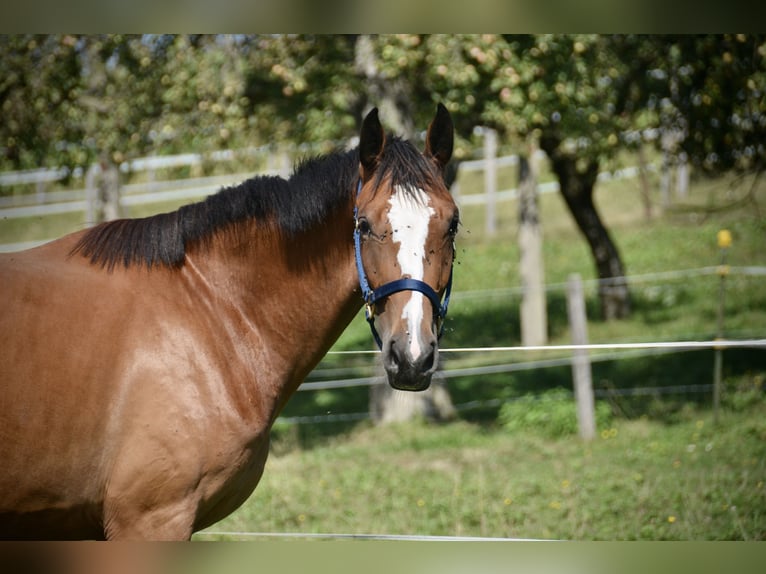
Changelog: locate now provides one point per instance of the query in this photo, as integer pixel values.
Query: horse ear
(371, 141)
(440, 137)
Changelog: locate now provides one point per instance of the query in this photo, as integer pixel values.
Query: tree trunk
(103, 192)
(387, 405)
(646, 188)
(391, 96)
(577, 189)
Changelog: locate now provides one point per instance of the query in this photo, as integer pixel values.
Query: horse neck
(295, 294)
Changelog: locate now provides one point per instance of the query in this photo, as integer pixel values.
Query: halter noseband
(372, 296)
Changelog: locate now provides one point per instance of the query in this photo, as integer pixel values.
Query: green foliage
(67, 99)
(712, 88)
(552, 413)
(302, 87)
(563, 85)
(72, 99)
(39, 83)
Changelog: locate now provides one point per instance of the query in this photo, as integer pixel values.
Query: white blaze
(409, 215)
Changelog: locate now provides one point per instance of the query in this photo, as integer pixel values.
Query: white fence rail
(631, 350)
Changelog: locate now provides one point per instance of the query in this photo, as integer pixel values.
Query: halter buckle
(369, 311)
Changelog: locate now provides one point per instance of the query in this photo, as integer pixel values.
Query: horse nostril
(428, 358)
(394, 356)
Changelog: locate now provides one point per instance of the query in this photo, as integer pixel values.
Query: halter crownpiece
(372, 296)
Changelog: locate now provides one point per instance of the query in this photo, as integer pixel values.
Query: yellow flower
(421, 503)
(555, 505)
(724, 238)
(671, 519)
(507, 501)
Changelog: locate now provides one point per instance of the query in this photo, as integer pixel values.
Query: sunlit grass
(638, 480)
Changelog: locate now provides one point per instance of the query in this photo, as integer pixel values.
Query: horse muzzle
(407, 372)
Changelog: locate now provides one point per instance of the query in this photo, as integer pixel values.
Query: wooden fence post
(581, 371)
(102, 192)
(534, 320)
(91, 195)
(682, 176)
(490, 178)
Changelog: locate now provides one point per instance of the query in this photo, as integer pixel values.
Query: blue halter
(372, 296)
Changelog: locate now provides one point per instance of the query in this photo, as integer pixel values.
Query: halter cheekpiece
(372, 296)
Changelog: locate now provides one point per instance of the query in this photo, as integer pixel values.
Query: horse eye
(454, 225)
(363, 226)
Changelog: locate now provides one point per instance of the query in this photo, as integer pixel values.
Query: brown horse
(144, 361)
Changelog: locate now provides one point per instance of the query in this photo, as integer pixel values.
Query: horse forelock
(403, 167)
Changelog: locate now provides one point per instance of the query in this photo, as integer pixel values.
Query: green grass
(639, 480)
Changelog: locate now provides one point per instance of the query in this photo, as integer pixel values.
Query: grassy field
(639, 480)
(659, 469)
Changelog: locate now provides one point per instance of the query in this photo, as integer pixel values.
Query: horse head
(406, 222)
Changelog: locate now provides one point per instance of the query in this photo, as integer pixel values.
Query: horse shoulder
(195, 424)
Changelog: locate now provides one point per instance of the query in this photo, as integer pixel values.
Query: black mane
(317, 187)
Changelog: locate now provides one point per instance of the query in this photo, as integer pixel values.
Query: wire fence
(630, 280)
(327, 378)
(626, 351)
